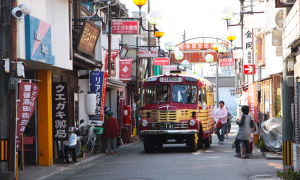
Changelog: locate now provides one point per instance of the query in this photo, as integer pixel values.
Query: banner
(98, 81)
(114, 55)
(125, 69)
(60, 111)
(226, 62)
(161, 61)
(125, 27)
(28, 93)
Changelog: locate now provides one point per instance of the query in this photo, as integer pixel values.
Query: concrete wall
(84, 86)
(43, 10)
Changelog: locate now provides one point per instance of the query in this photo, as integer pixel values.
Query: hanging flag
(114, 55)
(125, 69)
(98, 83)
(28, 93)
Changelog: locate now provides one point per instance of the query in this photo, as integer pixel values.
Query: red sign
(144, 52)
(28, 93)
(103, 96)
(227, 62)
(252, 101)
(125, 27)
(125, 69)
(161, 61)
(114, 55)
(249, 69)
(198, 56)
(189, 46)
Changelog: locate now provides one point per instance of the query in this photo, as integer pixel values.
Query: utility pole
(287, 101)
(149, 44)
(109, 39)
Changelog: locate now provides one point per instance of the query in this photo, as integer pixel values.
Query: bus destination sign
(170, 79)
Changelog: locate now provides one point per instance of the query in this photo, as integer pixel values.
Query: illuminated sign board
(170, 79)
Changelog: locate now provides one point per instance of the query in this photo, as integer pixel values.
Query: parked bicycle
(91, 144)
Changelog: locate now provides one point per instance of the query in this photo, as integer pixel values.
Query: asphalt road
(172, 163)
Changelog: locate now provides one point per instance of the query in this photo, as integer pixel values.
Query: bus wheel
(193, 142)
(200, 140)
(148, 145)
(207, 143)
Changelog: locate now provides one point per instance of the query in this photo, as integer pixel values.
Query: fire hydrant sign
(60, 110)
(125, 27)
(161, 61)
(125, 69)
(28, 93)
(227, 62)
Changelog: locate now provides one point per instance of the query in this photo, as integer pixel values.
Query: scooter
(72, 146)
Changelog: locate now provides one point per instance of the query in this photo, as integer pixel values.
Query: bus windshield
(157, 94)
(186, 94)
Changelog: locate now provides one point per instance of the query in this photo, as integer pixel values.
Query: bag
(233, 144)
(219, 124)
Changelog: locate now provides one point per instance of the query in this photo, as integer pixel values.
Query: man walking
(221, 114)
(111, 131)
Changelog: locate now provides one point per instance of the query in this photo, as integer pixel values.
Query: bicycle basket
(98, 130)
(84, 130)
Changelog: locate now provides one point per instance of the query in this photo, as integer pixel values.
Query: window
(184, 94)
(204, 94)
(157, 94)
(200, 95)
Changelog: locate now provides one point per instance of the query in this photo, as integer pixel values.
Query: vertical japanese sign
(60, 110)
(98, 84)
(252, 101)
(125, 69)
(114, 55)
(248, 47)
(28, 93)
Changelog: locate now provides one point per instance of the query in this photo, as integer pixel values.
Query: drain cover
(263, 177)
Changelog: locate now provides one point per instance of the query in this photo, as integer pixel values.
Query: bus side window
(142, 98)
(200, 95)
(204, 95)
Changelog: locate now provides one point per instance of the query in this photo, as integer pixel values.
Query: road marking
(209, 151)
(229, 151)
(197, 153)
(213, 157)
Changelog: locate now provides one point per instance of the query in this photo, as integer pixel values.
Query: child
(251, 144)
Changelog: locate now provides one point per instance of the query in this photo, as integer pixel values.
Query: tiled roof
(223, 81)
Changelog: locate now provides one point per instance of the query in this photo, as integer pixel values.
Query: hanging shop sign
(125, 27)
(28, 93)
(226, 62)
(248, 47)
(238, 54)
(125, 69)
(114, 55)
(198, 56)
(60, 110)
(38, 40)
(168, 68)
(161, 61)
(88, 38)
(146, 53)
(98, 82)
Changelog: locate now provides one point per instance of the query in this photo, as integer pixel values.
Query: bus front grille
(167, 116)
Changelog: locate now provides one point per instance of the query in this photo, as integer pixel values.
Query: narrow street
(173, 162)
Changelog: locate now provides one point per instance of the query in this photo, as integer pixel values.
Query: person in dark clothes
(111, 131)
(229, 117)
(244, 133)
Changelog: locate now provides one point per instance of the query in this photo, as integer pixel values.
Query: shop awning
(114, 83)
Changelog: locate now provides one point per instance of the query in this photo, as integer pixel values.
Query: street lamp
(159, 33)
(209, 58)
(185, 64)
(169, 45)
(140, 3)
(154, 18)
(178, 56)
(227, 13)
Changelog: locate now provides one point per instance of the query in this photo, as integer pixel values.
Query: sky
(199, 18)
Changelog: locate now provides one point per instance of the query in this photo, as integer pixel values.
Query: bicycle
(86, 140)
(97, 139)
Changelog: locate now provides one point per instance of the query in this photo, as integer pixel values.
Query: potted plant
(83, 150)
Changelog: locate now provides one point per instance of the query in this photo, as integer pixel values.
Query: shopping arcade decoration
(60, 111)
(98, 82)
(125, 69)
(199, 56)
(197, 46)
(28, 93)
(114, 55)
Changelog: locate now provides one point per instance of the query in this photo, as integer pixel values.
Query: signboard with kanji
(198, 56)
(60, 110)
(248, 47)
(148, 53)
(88, 38)
(161, 61)
(226, 62)
(195, 46)
(125, 27)
(125, 69)
(249, 69)
(252, 101)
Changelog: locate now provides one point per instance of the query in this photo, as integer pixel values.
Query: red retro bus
(176, 107)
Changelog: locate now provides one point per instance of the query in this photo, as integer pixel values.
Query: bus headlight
(192, 122)
(144, 123)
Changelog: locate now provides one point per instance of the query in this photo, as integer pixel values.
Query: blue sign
(38, 40)
(97, 82)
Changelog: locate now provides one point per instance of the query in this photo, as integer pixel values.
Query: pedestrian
(244, 133)
(229, 117)
(111, 131)
(221, 114)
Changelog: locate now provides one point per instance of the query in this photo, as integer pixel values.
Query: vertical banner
(28, 93)
(60, 110)
(252, 101)
(125, 69)
(114, 55)
(98, 83)
(248, 54)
